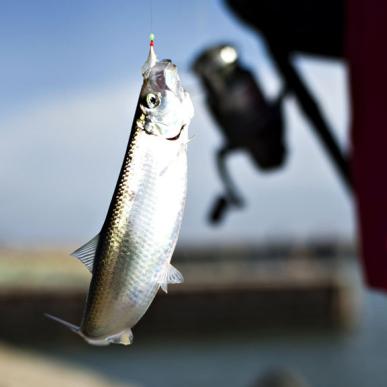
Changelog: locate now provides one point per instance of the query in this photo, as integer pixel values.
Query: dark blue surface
(355, 359)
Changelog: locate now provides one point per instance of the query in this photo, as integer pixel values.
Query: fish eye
(152, 100)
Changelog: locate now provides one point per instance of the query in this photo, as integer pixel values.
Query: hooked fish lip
(170, 64)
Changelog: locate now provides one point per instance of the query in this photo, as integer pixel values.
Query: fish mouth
(164, 76)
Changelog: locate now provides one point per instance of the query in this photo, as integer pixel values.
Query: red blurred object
(367, 58)
(355, 30)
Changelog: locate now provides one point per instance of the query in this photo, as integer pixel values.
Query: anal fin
(170, 275)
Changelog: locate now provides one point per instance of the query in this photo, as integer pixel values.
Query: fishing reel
(247, 120)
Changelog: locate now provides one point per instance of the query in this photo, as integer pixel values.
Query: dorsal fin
(86, 253)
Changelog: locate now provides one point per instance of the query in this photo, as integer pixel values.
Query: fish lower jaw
(124, 338)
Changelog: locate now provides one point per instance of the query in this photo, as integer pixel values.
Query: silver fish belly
(130, 257)
(139, 236)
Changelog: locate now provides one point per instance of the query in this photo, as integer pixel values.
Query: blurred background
(273, 293)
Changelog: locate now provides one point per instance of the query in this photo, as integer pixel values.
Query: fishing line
(151, 14)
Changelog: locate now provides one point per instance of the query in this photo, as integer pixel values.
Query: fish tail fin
(125, 337)
(72, 327)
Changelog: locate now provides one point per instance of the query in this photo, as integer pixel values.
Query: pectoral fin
(86, 253)
(170, 275)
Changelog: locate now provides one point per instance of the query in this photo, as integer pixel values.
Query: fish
(130, 258)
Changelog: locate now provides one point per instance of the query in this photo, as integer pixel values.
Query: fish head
(166, 105)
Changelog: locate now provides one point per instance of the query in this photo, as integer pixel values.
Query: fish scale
(133, 263)
(130, 257)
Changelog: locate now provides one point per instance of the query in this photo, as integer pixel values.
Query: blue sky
(70, 77)
(59, 46)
